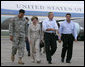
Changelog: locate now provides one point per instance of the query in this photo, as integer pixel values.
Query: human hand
(59, 41)
(75, 40)
(26, 38)
(11, 38)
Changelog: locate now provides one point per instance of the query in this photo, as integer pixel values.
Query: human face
(68, 17)
(27, 20)
(35, 21)
(50, 16)
(21, 15)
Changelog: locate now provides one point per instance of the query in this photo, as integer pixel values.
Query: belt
(67, 34)
(49, 33)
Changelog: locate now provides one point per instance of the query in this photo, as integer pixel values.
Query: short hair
(34, 17)
(49, 13)
(21, 11)
(26, 18)
(68, 14)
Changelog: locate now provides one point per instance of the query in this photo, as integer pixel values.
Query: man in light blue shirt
(68, 34)
(50, 25)
(68, 28)
(50, 28)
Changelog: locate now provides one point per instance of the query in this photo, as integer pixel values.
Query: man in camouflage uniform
(18, 35)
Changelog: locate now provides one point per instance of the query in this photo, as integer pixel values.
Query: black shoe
(68, 62)
(39, 61)
(28, 53)
(62, 60)
(49, 62)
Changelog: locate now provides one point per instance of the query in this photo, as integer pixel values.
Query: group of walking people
(35, 34)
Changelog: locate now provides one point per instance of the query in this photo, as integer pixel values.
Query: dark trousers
(67, 46)
(50, 45)
(27, 46)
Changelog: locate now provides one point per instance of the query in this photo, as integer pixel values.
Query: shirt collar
(50, 20)
(67, 22)
(34, 25)
(20, 18)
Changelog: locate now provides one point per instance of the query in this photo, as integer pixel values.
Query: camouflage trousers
(18, 44)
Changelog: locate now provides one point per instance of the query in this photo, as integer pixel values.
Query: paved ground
(77, 60)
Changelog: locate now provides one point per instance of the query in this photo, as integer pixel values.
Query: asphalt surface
(77, 59)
